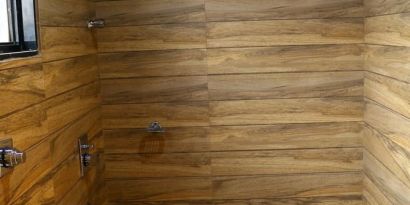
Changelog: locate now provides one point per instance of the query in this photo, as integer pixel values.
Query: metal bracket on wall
(84, 153)
(155, 127)
(96, 23)
(9, 157)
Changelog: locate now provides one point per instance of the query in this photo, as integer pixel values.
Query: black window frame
(19, 47)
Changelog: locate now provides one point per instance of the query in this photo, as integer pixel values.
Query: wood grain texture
(201, 139)
(309, 185)
(45, 94)
(285, 111)
(26, 175)
(388, 92)
(66, 108)
(43, 193)
(383, 7)
(285, 85)
(389, 153)
(145, 90)
(21, 87)
(387, 147)
(386, 158)
(182, 114)
(27, 127)
(392, 125)
(20, 62)
(64, 142)
(153, 63)
(65, 13)
(236, 10)
(95, 178)
(172, 189)
(287, 32)
(285, 59)
(288, 136)
(190, 139)
(152, 37)
(213, 78)
(372, 194)
(247, 163)
(233, 163)
(77, 195)
(341, 200)
(65, 42)
(193, 202)
(390, 61)
(64, 75)
(392, 187)
(66, 176)
(157, 165)
(140, 12)
(388, 30)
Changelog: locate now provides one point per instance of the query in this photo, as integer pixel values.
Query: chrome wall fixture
(96, 23)
(84, 153)
(155, 127)
(9, 156)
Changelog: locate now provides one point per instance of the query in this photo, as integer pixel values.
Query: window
(18, 33)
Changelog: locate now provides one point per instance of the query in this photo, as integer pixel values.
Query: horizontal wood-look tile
(153, 63)
(66, 176)
(392, 125)
(27, 127)
(64, 75)
(189, 139)
(171, 189)
(388, 92)
(194, 202)
(285, 59)
(132, 12)
(157, 165)
(388, 153)
(388, 30)
(42, 193)
(66, 42)
(382, 7)
(286, 162)
(372, 194)
(285, 85)
(234, 10)
(336, 200)
(392, 187)
(64, 142)
(288, 186)
(152, 37)
(77, 195)
(28, 174)
(65, 13)
(21, 87)
(286, 32)
(20, 62)
(285, 111)
(288, 136)
(94, 182)
(182, 114)
(163, 89)
(390, 61)
(70, 106)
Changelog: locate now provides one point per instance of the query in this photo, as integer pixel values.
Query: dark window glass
(18, 34)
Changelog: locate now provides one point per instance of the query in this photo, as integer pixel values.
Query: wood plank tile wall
(47, 102)
(262, 101)
(387, 93)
